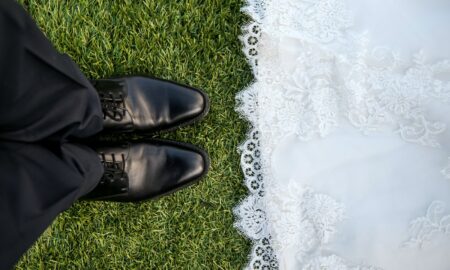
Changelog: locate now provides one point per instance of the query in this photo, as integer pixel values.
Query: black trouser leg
(45, 100)
(37, 183)
(43, 94)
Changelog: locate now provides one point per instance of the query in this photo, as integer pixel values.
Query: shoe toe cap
(187, 103)
(160, 104)
(164, 168)
(186, 166)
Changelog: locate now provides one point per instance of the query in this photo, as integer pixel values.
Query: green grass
(193, 42)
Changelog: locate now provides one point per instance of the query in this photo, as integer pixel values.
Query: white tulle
(347, 159)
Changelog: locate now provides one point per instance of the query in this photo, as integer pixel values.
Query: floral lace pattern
(379, 95)
(433, 223)
(377, 91)
(302, 219)
(318, 21)
(250, 38)
(334, 262)
(263, 255)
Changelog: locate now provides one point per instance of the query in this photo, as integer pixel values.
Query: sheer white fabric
(347, 161)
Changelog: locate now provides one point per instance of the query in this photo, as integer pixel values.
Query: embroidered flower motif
(422, 131)
(324, 213)
(326, 263)
(322, 21)
(252, 217)
(423, 229)
(263, 256)
(390, 99)
(334, 262)
(302, 218)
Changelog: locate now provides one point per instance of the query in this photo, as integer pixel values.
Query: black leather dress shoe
(147, 170)
(133, 104)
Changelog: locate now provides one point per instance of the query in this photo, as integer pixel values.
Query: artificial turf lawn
(194, 42)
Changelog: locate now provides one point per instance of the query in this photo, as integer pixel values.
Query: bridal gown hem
(347, 160)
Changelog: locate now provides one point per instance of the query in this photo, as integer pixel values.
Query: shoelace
(114, 169)
(113, 106)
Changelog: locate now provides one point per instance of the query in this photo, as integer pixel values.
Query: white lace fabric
(347, 161)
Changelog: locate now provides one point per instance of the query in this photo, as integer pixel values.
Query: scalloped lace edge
(249, 213)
